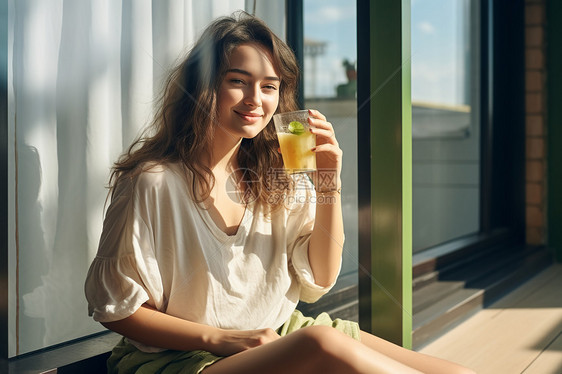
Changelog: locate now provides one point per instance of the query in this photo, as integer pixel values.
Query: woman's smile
(249, 116)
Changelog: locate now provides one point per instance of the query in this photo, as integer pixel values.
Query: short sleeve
(113, 289)
(302, 213)
(123, 275)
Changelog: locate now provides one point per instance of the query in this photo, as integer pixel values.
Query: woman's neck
(224, 150)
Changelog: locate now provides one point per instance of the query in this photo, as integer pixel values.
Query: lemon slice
(296, 128)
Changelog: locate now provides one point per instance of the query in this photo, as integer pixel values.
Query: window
(330, 84)
(445, 121)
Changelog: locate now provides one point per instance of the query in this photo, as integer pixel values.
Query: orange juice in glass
(296, 141)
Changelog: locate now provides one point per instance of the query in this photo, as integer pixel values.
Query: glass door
(445, 121)
(330, 85)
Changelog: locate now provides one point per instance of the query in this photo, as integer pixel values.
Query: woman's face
(249, 93)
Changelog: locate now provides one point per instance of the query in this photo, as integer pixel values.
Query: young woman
(206, 248)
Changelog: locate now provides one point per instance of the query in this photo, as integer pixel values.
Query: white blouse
(160, 247)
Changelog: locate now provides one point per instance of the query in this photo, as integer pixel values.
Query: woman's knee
(320, 336)
(330, 347)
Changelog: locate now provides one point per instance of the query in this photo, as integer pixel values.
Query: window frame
(502, 200)
(4, 287)
(502, 142)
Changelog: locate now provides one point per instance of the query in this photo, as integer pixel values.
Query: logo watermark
(235, 180)
(289, 189)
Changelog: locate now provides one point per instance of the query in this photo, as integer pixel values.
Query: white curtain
(82, 76)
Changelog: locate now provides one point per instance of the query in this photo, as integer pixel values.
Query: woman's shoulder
(150, 178)
(157, 175)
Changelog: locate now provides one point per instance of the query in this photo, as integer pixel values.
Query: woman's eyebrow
(247, 73)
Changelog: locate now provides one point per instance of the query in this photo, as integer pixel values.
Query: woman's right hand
(229, 342)
(154, 328)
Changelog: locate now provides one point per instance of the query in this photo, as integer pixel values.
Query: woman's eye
(237, 81)
(270, 87)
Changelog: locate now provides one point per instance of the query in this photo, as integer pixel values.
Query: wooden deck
(520, 333)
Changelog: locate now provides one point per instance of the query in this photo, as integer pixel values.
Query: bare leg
(419, 361)
(315, 349)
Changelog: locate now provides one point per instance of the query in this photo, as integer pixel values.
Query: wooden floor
(520, 333)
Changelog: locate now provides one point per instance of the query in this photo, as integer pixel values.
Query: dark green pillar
(384, 114)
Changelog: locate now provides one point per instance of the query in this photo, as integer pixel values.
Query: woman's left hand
(328, 152)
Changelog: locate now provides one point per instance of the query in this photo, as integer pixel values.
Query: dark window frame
(4, 286)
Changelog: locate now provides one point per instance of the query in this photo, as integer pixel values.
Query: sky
(439, 48)
(332, 22)
(440, 51)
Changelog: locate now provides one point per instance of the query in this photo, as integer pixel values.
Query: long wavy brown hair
(183, 126)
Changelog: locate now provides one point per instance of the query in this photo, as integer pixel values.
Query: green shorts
(127, 359)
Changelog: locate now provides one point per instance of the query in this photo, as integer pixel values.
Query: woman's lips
(249, 117)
